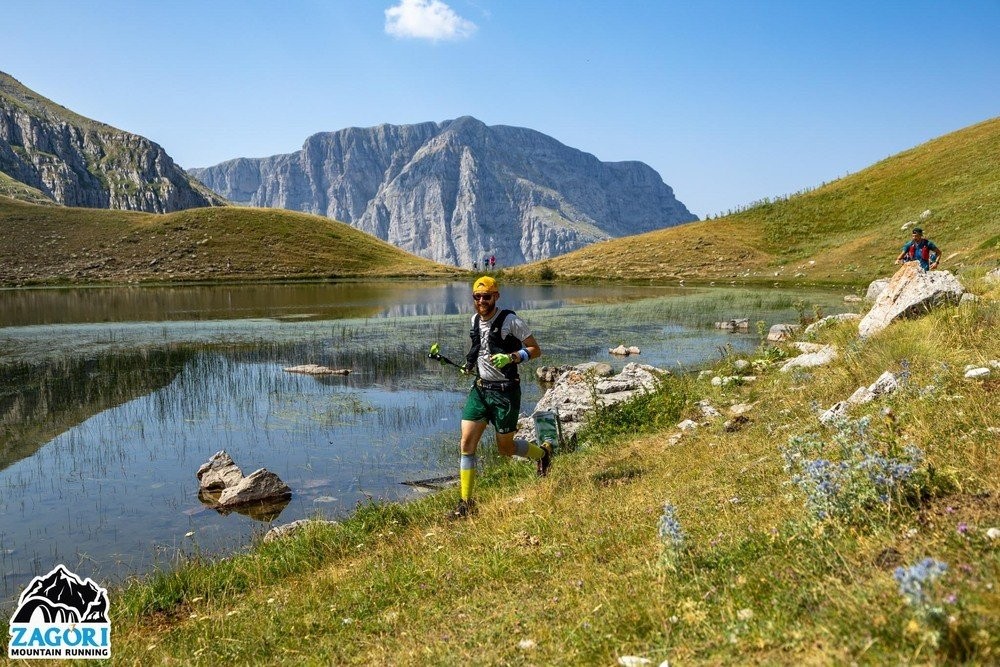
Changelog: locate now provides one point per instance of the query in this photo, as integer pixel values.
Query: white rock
(687, 425)
(994, 363)
(926, 214)
(838, 411)
(861, 395)
(707, 409)
(852, 298)
(717, 381)
(993, 276)
(911, 292)
(885, 384)
(808, 347)
(824, 356)
(993, 533)
(780, 332)
(876, 287)
(741, 364)
(831, 319)
(621, 351)
(977, 373)
(633, 661)
(526, 644)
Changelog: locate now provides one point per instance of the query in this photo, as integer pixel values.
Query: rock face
(910, 292)
(457, 191)
(76, 161)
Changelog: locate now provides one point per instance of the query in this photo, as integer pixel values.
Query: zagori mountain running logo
(60, 616)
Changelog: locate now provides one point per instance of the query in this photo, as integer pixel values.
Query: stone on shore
(876, 287)
(288, 529)
(911, 292)
(824, 355)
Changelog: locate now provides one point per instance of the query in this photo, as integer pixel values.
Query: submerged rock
(218, 473)
(222, 484)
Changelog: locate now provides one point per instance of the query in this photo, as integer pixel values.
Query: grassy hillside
(60, 245)
(851, 229)
(701, 548)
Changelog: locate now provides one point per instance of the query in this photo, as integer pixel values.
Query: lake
(111, 398)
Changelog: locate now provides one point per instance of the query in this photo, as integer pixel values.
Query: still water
(110, 399)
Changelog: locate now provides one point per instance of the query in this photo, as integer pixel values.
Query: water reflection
(296, 302)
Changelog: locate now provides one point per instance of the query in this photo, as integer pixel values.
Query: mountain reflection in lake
(103, 425)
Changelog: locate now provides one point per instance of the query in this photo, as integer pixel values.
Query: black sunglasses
(482, 297)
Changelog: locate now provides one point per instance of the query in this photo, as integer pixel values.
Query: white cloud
(426, 19)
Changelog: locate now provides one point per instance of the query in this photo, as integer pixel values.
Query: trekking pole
(437, 356)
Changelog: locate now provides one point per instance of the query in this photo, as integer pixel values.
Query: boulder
(621, 351)
(218, 473)
(993, 276)
(876, 287)
(574, 392)
(968, 297)
(853, 298)
(974, 373)
(260, 485)
(780, 332)
(831, 319)
(911, 292)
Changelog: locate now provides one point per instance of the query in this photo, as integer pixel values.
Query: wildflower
(913, 579)
(962, 528)
(670, 530)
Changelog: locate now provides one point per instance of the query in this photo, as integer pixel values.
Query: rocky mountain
(457, 191)
(48, 151)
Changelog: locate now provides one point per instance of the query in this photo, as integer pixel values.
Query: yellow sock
(467, 475)
(535, 452)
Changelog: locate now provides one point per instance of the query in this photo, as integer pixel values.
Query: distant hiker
(493, 261)
(474, 265)
(486, 263)
(919, 249)
(500, 341)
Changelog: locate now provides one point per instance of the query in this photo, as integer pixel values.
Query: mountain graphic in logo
(61, 597)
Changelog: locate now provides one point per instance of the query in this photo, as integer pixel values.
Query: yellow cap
(485, 284)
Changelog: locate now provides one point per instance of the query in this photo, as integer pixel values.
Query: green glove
(435, 349)
(500, 360)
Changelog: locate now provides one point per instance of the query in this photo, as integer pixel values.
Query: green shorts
(500, 408)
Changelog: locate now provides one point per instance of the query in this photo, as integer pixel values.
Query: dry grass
(60, 245)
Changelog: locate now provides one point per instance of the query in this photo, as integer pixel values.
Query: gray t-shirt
(513, 325)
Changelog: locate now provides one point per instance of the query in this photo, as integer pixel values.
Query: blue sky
(729, 101)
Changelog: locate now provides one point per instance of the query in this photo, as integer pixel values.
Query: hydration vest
(923, 247)
(496, 344)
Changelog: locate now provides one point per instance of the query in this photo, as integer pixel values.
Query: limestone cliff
(76, 161)
(457, 191)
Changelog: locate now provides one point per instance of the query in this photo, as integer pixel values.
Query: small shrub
(854, 473)
(547, 273)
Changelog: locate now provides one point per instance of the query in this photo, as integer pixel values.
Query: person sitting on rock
(919, 249)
